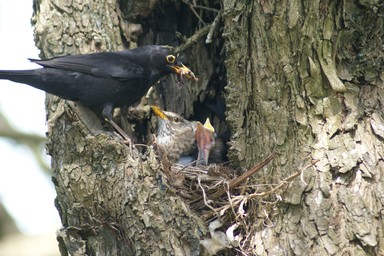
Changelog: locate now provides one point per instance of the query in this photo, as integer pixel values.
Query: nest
(216, 187)
(217, 192)
(213, 189)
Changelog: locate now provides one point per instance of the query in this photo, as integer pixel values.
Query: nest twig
(236, 181)
(211, 187)
(216, 192)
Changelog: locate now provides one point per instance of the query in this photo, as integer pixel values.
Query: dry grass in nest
(215, 192)
(210, 188)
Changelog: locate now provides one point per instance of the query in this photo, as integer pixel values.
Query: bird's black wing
(116, 65)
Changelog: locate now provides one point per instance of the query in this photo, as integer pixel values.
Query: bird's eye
(176, 119)
(171, 58)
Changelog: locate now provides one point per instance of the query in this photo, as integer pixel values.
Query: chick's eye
(171, 58)
(176, 119)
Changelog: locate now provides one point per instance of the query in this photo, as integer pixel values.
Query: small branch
(206, 8)
(205, 197)
(236, 181)
(247, 174)
(33, 141)
(213, 27)
(283, 182)
(192, 7)
(193, 39)
(209, 29)
(238, 199)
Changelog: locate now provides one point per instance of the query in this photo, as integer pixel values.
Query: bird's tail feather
(29, 77)
(14, 74)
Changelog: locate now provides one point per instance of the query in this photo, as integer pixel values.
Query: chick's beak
(156, 110)
(183, 71)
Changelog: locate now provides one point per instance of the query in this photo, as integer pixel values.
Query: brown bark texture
(111, 200)
(303, 79)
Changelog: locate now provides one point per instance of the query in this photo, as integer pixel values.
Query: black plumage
(104, 80)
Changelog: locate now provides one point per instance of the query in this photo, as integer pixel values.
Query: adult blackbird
(103, 81)
(183, 141)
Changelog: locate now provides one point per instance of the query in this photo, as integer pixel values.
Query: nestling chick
(185, 141)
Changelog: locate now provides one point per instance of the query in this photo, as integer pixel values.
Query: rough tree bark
(304, 79)
(111, 200)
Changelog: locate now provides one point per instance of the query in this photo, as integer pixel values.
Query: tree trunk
(111, 199)
(305, 79)
(302, 79)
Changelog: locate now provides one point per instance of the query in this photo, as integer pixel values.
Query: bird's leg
(126, 139)
(124, 121)
(107, 114)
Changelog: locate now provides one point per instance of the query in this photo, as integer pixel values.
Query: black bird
(105, 80)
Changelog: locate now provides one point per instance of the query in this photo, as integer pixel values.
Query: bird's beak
(156, 110)
(208, 126)
(183, 71)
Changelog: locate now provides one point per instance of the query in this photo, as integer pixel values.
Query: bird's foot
(154, 139)
(127, 141)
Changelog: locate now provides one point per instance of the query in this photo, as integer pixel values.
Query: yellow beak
(156, 110)
(208, 125)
